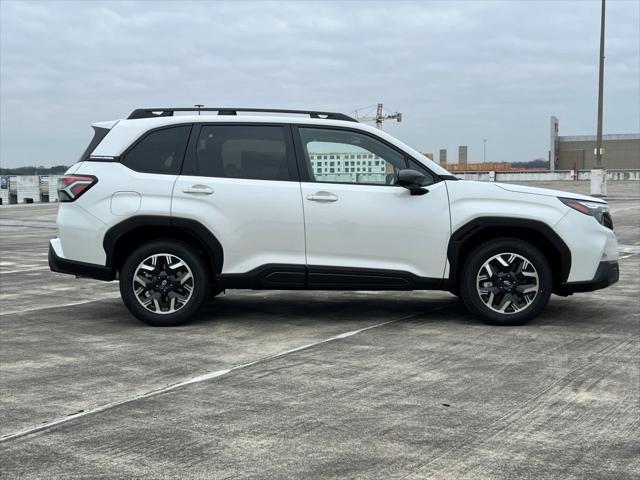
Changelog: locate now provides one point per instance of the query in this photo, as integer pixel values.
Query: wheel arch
(134, 231)
(480, 230)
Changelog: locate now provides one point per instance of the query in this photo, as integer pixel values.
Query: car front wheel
(506, 282)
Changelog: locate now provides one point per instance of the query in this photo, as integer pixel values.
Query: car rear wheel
(506, 282)
(164, 283)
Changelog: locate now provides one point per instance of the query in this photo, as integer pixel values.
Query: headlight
(599, 211)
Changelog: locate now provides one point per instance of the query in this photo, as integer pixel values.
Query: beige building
(620, 151)
(566, 152)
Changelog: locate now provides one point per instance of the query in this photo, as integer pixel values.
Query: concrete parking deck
(314, 384)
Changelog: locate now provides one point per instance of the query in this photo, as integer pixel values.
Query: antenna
(199, 106)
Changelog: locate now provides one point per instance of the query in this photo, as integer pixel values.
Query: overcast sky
(458, 71)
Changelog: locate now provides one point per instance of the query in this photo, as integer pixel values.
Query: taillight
(71, 187)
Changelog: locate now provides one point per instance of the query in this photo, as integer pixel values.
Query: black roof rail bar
(168, 112)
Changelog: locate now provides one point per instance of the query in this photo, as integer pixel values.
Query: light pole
(484, 150)
(600, 90)
(598, 174)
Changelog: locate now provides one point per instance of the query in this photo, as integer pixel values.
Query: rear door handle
(199, 190)
(322, 197)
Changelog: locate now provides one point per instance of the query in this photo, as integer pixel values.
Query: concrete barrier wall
(21, 187)
(53, 188)
(567, 175)
(28, 187)
(13, 185)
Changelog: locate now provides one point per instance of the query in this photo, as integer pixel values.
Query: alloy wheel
(163, 283)
(507, 283)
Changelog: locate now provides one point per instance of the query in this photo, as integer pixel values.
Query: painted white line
(629, 248)
(34, 224)
(23, 270)
(205, 377)
(107, 296)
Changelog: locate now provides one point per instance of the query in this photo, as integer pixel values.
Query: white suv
(181, 207)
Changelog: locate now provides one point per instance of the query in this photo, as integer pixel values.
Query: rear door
(241, 182)
(360, 225)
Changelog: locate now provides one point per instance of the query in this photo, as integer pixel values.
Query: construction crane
(379, 117)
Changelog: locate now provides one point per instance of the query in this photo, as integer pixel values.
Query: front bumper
(608, 273)
(80, 269)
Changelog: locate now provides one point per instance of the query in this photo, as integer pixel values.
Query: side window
(342, 156)
(160, 151)
(243, 151)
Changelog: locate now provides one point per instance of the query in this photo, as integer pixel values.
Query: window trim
(121, 158)
(304, 167)
(190, 164)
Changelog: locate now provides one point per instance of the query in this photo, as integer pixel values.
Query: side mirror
(412, 180)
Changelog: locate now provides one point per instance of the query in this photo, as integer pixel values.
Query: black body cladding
(301, 277)
(531, 229)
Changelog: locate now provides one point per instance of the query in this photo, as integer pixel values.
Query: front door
(358, 223)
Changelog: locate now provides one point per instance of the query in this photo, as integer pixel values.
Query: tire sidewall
(485, 251)
(190, 257)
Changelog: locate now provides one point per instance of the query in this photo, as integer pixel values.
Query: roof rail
(168, 112)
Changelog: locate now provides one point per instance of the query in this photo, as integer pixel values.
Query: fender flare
(187, 225)
(482, 224)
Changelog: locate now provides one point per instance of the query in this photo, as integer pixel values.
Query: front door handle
(199, 190)
(322, 197)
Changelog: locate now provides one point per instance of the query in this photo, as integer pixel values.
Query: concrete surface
(313, 384)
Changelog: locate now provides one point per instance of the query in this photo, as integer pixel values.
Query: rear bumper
(608, 273)
(80, 269)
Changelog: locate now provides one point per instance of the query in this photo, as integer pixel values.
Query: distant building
(462, 154)
(443, 155)
(348, 167)
(620, 151)
(347, 163)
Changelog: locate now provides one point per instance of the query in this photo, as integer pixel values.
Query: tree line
(537, 163)
(33, 170)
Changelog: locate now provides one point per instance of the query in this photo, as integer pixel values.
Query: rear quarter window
(160, 151)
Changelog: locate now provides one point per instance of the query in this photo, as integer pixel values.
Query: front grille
(607, 221)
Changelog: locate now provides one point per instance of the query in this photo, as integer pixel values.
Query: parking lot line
(6, 272)
(207, 376)
(104, 296)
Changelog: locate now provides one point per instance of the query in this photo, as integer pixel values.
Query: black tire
(506, 283)
(199, 283)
